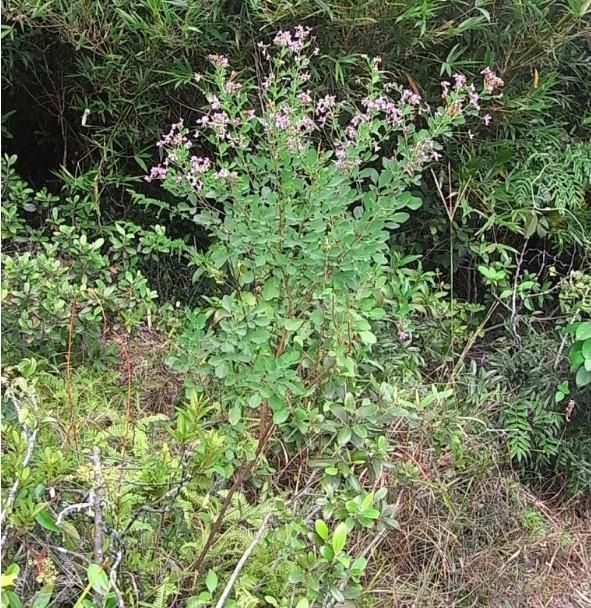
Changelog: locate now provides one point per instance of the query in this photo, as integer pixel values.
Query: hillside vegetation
(296, 303)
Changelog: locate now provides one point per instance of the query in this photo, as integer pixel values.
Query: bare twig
(97, 506)
(242, 561)
(113, 579)
(76, 508)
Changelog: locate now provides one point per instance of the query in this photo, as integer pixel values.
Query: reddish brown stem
(71, 426)
(265, 430)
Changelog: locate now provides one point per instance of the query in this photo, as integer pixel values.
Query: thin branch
(265, 431)
(76, 508)
(113, 579)
(30, 436)
(97, 508)
(242, 561)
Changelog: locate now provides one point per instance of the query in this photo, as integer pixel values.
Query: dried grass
(141, 362)
(475, 536)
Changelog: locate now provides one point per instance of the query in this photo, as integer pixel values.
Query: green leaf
(254, 400)
(583, 330)
(367, 337)
(43, 597)
(292, 324)
(410, 201)
(13, 599)
(367, 502)
(583, 377)
(586, 348)
(399, 218)
(97, 578)
(370, 513)
(211, 581)
(221, 370)
(531, 226)
(321, 529)
(234, 415)
(339, 538)
(249, 298)
(45, 520)
(344, 435)
(10, 576)
(280, 416)
(303, 603)
(259, 335)
(271, 289)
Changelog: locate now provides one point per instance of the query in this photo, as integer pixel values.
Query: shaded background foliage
(90, 85)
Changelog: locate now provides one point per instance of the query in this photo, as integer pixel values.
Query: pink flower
(474, 97)
(459, 80)
(232, 87)
(214, 102)
(414, 99)
(491, 80)
(219, 61)
(294, 42)
(486, 119)
(280, 119)
(200, 164)
(219, 123)
(304, 97)
(325, 104)
(175, 137)
(157, 172)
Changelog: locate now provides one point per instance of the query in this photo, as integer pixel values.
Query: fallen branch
(113, 579)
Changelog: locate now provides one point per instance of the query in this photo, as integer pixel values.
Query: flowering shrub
(301, 201)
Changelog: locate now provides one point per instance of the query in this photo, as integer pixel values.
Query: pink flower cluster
(305, 97)
(219, 122)
(491, 80)
(388, 107)
(157, 172)
(177, 136)
(295, 41)
(408, 96)
(219, 61)
(199, 166)
(280, 118)
(295, 126)
(344, 161)
(426, 151)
